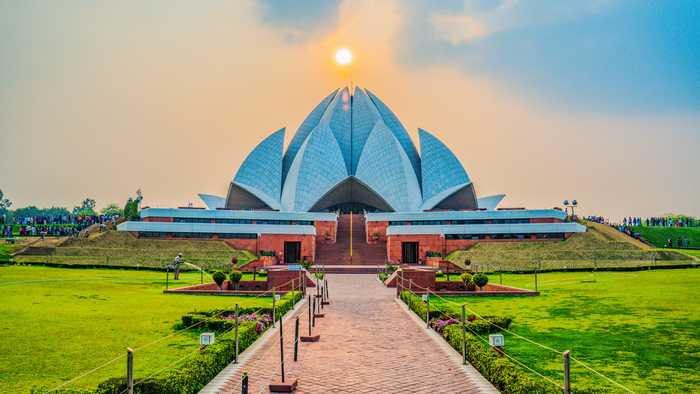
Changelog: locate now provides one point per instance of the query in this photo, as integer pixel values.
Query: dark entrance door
(409, 252)
(292, 252)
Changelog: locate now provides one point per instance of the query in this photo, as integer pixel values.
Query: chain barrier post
(244, 383)
(309, 314)
(281, 350)
(427, 310)
(274, 314)
(313, 320)
(235, 327)
(130, 370)
(567, 371)
(464, 335)
(296, 338)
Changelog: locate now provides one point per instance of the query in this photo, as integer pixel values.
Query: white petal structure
(212, 201)
(445, 182)
(351, 150)
(258, 181)
(490, 203)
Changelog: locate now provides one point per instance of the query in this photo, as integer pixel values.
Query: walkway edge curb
(216, 385)
(469, 370)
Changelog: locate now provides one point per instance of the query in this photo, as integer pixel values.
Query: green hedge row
(500, 371)
(198, 370)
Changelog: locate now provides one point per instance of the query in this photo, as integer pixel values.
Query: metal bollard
(296, 338)
(129, 370)
(244, 383)
(273, 309)
(567, 370)
(464, 336)
(235, 360)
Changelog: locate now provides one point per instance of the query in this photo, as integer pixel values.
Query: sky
(597, 100)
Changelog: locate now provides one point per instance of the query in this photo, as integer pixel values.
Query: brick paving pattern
(368, 345)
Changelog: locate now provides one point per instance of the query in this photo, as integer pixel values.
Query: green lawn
(58, 323)
(658, 236)
(642, 329)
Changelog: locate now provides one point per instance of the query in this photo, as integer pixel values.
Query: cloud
(298, 21)
(603, 55)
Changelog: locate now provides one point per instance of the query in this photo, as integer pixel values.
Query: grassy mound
(121, 249)
(658, 236)
(599, 246)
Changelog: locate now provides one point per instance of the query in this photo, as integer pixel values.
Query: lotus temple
(352, 188)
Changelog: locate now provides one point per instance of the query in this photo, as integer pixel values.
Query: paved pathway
(369, 344)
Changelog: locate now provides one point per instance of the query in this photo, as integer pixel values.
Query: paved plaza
(369, 344)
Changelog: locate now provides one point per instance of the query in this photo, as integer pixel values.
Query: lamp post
(570, 204)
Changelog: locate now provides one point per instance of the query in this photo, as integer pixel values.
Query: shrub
(319, 275)
(467, 281)
(270, 253)
(383, 276)
(306, 264)
(390, 268)
(431, 253)
(439, 274)
(235, 277)
(480, 279)
(219, 277)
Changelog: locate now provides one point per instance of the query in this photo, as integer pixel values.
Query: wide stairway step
(362, 252)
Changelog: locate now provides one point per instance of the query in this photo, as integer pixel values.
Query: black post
(309, 314)
(274, 314)
(281, 350)
(464, 336)
(244, 383)
(235, 360)
(130, 370)
(320, 308)
(313, 320)
(296, 338)
(255, 271)
(167, 276)
(201, 276)
(567, 380)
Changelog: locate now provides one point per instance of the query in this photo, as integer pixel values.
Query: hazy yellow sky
(101, 98)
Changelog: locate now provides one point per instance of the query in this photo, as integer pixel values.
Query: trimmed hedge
(507, 376)
(201, 368)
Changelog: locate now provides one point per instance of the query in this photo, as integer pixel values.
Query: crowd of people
(632, 221)
(54, 226)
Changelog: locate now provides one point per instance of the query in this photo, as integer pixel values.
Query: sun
(343, 56)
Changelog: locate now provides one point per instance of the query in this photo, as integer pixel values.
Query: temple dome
(351, 151)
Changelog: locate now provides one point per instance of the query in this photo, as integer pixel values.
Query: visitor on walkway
(176, 265)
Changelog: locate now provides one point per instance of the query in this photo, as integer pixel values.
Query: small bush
(235, 277)
(480, 279)
(431, 253)
(319, 275)
(467, 281)
(219, 277)
(390, 268)
(439, 274)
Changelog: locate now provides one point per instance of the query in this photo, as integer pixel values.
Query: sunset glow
(343, 56)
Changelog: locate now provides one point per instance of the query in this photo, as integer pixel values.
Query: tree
(5, 203)
(235, 277)
(86, 208)
(480, 279)
(219, 277)
(112, 210)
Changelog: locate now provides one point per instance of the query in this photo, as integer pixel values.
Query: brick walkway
(368, 344)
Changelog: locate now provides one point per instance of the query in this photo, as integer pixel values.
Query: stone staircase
(363, 254)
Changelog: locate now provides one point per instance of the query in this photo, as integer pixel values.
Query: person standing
(176, 266)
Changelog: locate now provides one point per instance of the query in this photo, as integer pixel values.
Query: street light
(570, 204)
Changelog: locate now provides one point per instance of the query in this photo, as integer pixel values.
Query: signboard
(496, 340)
(294, 267)
(425, 298)
(206, 338)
